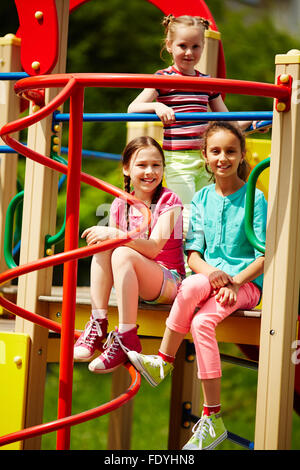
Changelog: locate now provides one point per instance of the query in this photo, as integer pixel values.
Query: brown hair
(244, 168)
(171, 22)
(131, 148)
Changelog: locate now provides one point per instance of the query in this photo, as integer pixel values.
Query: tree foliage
(121, 37)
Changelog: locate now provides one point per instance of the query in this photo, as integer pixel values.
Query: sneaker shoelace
(157, 361)
(202, 427)
(91, 331)
(112, 345)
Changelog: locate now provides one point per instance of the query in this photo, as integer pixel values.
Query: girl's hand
(219, 279)
(98, 234)
(227, 295)
(165, 114)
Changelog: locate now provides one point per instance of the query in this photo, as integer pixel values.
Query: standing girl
(185, 170)
(228, 275)
(151, 267)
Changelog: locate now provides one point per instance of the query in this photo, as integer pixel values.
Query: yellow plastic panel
(14, 355)
(258, 150)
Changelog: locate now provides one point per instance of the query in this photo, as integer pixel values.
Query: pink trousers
(196, 291)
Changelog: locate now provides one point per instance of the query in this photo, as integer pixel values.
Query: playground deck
(242, 327)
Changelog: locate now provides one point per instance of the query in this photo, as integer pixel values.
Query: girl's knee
(121, 255)
(102, 257)
(203, 322)
(196, 286)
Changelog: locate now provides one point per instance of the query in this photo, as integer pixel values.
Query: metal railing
(73, 89)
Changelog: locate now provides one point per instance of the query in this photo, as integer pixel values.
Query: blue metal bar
(239, 361)
(13, 75)
(64, 150)
(241, 441)
(6, 149)
(230, 116)
(261, 125)
(95, 154)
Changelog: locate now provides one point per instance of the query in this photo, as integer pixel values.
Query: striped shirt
(184, 135)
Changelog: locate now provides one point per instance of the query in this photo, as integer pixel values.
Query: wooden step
(242, 326)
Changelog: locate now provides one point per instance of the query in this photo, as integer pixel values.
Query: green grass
(151, 409)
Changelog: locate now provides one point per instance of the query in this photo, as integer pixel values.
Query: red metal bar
(73, 87)
(70, 257)
(70, 268)
(81, 417)
(54, 260)
(154, 81)
(27, 121)
(60, 258)
(85, 178)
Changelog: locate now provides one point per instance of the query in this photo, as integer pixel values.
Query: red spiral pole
(79, 418)
(74, 87)
(70, 268)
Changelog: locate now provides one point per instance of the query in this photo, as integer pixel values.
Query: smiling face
(146, 171)
(224, 155)
(186, 48)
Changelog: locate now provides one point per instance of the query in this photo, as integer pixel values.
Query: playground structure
(24, 350)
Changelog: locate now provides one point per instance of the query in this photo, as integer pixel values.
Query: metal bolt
(281, 107)
(18, 360)
(35, 65)
(284, 78)
(39, 15)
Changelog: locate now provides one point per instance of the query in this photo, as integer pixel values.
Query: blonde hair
(170, 23)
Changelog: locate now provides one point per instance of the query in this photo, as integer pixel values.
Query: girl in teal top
(217, 229)
(228, 275)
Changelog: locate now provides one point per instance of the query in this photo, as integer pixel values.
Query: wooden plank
(186, 388)
(9, 111)
(282, 277)
(39, 219)
(208, 63)
(241, 327)
(83, 298)
(120, 420)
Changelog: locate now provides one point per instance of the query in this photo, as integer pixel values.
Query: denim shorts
(171, 282)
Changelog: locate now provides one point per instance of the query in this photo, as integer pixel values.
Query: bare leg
(211, 387)
(171, 342)
(211, 391)
(96, 329)
(134, 275)
(101, 279)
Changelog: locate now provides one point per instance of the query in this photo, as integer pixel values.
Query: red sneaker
(116, 348)
(90, 339)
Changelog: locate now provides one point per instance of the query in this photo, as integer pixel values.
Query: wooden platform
(241, 327)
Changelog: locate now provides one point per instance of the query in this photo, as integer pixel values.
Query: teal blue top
(217, 229)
